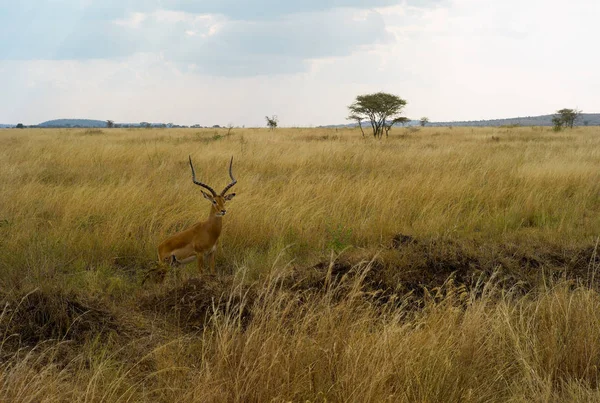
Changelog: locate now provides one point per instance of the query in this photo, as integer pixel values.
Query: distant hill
(585, 119)
(73, 123)
(2, 126)
(91, 123)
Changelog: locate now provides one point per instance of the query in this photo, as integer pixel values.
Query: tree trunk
(361, 129)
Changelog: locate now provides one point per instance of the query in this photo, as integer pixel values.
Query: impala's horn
(205, 186)
(233, 180)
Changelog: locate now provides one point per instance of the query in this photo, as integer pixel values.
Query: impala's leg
(212, 261)
(200, 259)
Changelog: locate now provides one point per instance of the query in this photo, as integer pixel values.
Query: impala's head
(218, 200)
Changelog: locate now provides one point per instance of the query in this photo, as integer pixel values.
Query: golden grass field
(438, 265)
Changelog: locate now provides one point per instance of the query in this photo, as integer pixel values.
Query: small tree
(402, 120)
(358, 119)
(424, 120)
(378, 108)
(388, 125)
(110, 124)
(557, 122)
(272, 122)
(20, 126)
(568, 116)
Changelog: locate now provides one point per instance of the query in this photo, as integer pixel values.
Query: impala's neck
(215, 220)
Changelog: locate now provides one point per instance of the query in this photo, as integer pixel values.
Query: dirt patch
(412, 265)
(430, 262)
(45, 315)
(192, 304)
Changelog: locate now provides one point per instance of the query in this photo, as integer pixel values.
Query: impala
(201, 238)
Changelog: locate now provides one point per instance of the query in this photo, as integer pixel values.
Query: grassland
(441, 264)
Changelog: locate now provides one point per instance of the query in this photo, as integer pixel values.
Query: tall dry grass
(487, 344)
(81, 213)
(83, 199)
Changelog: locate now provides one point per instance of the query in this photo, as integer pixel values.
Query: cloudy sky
(235, 61)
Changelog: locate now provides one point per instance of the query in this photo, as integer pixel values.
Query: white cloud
(217, 44)
(134, 20)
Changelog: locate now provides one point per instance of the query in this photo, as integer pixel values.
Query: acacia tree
(378, 108)
(424, 120)
(110, 124)
(272, 122)
(567, 116)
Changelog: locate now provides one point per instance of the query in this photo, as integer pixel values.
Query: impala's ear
(229, 196)
(207, 196)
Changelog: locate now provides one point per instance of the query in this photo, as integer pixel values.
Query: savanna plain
(436, 265)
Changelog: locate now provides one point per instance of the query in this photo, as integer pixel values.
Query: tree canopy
(272, 122)
(378, 108)
(567, 117)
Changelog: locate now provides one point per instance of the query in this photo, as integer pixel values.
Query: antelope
(201, 238)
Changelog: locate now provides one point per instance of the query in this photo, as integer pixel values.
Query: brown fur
(196, 242)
